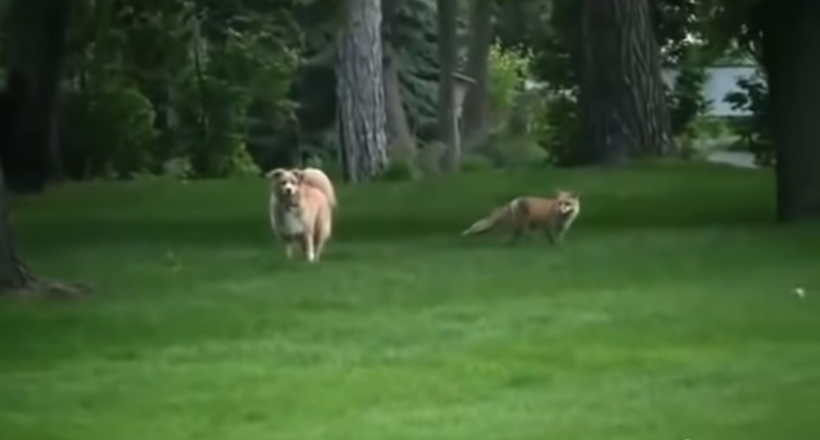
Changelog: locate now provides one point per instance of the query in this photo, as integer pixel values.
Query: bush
(556, 124)
(474, 162)
(508, 69)
(428, 159)
(754, 132)
(108, 132)
(507, 151)
(399, 170)
(686, 101)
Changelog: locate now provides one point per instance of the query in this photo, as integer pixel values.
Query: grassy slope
(667, 315)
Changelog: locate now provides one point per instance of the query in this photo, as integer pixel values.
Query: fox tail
(492, 220)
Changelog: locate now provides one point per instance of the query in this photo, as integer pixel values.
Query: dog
(554, 215)
(302, 202)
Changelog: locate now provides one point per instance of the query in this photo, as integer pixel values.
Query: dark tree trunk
(447, 54)
(400, 141)
(623, 109)
(12, 272)
(36, 47)
(475, 113)
(36, 36)
(791, 54)
(360, 89)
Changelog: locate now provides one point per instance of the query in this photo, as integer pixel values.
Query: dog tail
(319, 180)
(496, 217)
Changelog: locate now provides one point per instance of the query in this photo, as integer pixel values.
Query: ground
(670, 313)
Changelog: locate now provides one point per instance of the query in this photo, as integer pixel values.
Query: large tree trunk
(447, 54)
(623, 110)
(475, 111)
(791, 54)
(400, 142)
(36, 36)
(36, 46)
(361, 92)
(12, 272)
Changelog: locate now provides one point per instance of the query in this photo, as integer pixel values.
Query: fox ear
(275, 173)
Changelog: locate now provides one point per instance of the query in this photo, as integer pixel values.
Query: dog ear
(300, 174)
(275, 173)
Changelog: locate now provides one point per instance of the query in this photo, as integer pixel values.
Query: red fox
(554, 216)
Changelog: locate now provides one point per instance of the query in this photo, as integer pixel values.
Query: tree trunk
(36, 36)
(447, 54)
(623, 110)
(475, 111)
(400, 142)
(12, 272)
(36, 47)
(360, 89)
(791, 54)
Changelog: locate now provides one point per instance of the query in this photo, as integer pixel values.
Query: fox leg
(551, 236)
(517, 233)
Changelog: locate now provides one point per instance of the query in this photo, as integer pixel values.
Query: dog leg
(307, 243)
(320, 237)
(318, 247)
(290, 247)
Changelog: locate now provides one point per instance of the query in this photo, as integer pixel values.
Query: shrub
(473, 162)
(556, 124)
(754, 132)
(399, 170)
(108, 132)
(508, 69)
(510, 151)
(429, 156)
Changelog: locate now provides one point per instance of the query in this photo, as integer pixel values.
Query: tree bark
(400, 142)
(475, 113)
(623, 110)
(36, 46)
(360, 88)
(12, 271)
(36, 39)
(447, 54)
(791, 55)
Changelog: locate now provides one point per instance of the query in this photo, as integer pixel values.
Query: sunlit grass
(668, 314)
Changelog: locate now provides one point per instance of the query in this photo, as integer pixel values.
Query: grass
(668, 314)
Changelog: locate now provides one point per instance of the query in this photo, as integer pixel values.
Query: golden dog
(301, 209)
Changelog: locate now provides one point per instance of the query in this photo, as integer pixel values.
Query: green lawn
(668, 314)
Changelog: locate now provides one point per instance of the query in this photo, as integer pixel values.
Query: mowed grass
(668, 314)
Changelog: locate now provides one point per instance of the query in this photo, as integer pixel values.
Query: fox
(553, 215)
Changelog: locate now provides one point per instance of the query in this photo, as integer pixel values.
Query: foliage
(755, 134)
(556, 123)
(109, 132)
(474, 162)
(400, 170)
(508, 70)
(205, 71)
(690, 33)
(416, 40)
(686, 100)
(428, 160)
(511, 150)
